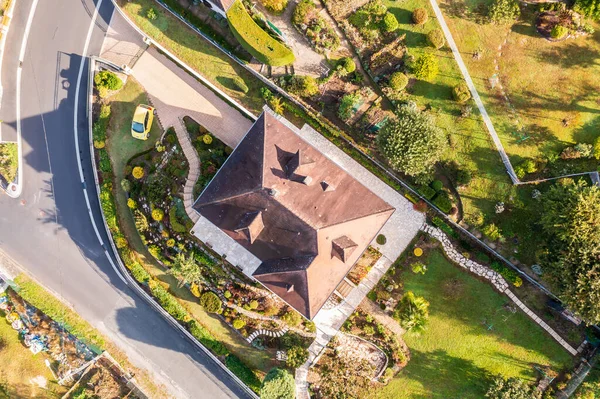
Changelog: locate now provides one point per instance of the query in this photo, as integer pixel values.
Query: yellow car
(142, 122)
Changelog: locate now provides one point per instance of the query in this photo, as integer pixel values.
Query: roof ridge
(254, 190)
(391, 208)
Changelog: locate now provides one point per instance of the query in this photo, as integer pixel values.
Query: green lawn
(457, 354)
(121, 147)
(547, 82)
(195, 51)
(19, 366)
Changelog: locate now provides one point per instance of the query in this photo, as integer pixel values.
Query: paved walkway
(474, 93)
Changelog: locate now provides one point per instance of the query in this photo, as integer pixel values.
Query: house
(304, 220)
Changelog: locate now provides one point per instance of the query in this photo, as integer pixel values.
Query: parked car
(142, 122)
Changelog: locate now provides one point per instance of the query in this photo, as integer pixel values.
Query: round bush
(348, 64)
(558, 32)
(390, 23)
(398, 81)
(120, 242)
(207, 139)
(278, 384)
(108, 80)
(104, 111)
(99, 144)
(420, 16)
(381, 240)
(296, 356)
(436, 38)
(227, 294)
(158, 214)
(126, 185)
(426, 67)
(170, 242)
(461, 92)
(210, 302)
(253, 305)
(138, 172)
(237, 324)
(437, 185)
(131, 203)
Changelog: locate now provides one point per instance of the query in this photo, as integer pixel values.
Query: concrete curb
(130, 281)
(13, 189)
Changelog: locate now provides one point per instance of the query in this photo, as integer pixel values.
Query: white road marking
(75, 135)
(19, 189)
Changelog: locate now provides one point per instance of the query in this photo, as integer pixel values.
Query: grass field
(121, 147)
(547, 82)
(19, 368)
(457, 354)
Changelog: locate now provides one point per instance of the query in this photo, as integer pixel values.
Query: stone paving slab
(122, 43)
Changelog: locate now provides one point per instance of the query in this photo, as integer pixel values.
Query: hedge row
(443, 226)
(255, 40)
(161, 294)
(509, 274)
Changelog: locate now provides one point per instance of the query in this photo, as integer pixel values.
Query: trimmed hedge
(437, 221)
(243, 372)
(427, 192)
(442, 201)
(255, 40)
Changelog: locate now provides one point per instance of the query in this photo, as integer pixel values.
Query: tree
(411, 143)
(426, 67)
(419, 16)
(296, 356)
(436, 38)
(589, 8)
(349, 101)
(398, 81)
(511, 388)
(571, 226)
(412, 312)
(210, 302)
(278, 384)
(461, 92)
(389, 22)
(186, 269)
(504, 11)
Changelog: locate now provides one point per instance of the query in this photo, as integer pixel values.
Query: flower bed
(317, 30)
(363, 265)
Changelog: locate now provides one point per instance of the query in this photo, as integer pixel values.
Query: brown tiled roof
(303, 216)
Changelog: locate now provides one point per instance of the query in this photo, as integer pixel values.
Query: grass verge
(459, 351)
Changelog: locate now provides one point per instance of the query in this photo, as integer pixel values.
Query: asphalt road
(48, 230)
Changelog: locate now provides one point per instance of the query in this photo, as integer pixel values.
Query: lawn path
(474, 93)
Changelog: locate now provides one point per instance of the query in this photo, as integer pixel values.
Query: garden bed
(8, 162)
(364, 265)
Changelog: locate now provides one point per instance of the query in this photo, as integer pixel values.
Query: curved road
(48, 230)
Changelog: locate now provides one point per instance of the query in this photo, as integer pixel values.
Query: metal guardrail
(131, 282)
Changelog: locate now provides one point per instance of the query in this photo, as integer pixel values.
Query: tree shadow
(525, 29)
(573, 54)
(588, 131)
(431, 91)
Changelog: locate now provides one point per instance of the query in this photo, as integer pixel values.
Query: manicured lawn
(457, 354)
(19, 367)
(121, 147)
(547, 82)
(195, 51)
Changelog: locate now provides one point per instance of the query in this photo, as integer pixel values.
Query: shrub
(174, 222)
(381, 240)
(108, 80)
(227, 294)
(303, 86)
(348, 64)
(210, 302)
(426, 67)
(278, 384)
(509, 274)
(442, 201)
(596, 148)
(240, 85)
(120, 241)
(411, 198)
(276, 104)
(131, 203)
(275, 6)
(207, 139)
(158, 214)
(398, 81)
(427, 192)
(347, 104)
(436, 38)
(558, 32)
(389, 22)
(99, 144)
(104, 111)
(492, 232)
(253, 305)
(168, 301)
(170, 243)
(138, 172)
(239, 324)
(420, 16)
(296, 356)
(369, 330)
(437, 221)
(255, 40)
(585, 150)
(418, 268)
(243, 372)
(589, 8)
(206, 338)
(302, 11)
(461, 92)
(503, 11)
(529, 166)
(126, 185)
(412, 312)
(292, 318)
(151, 14)
(139, 273)
(437, 185)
